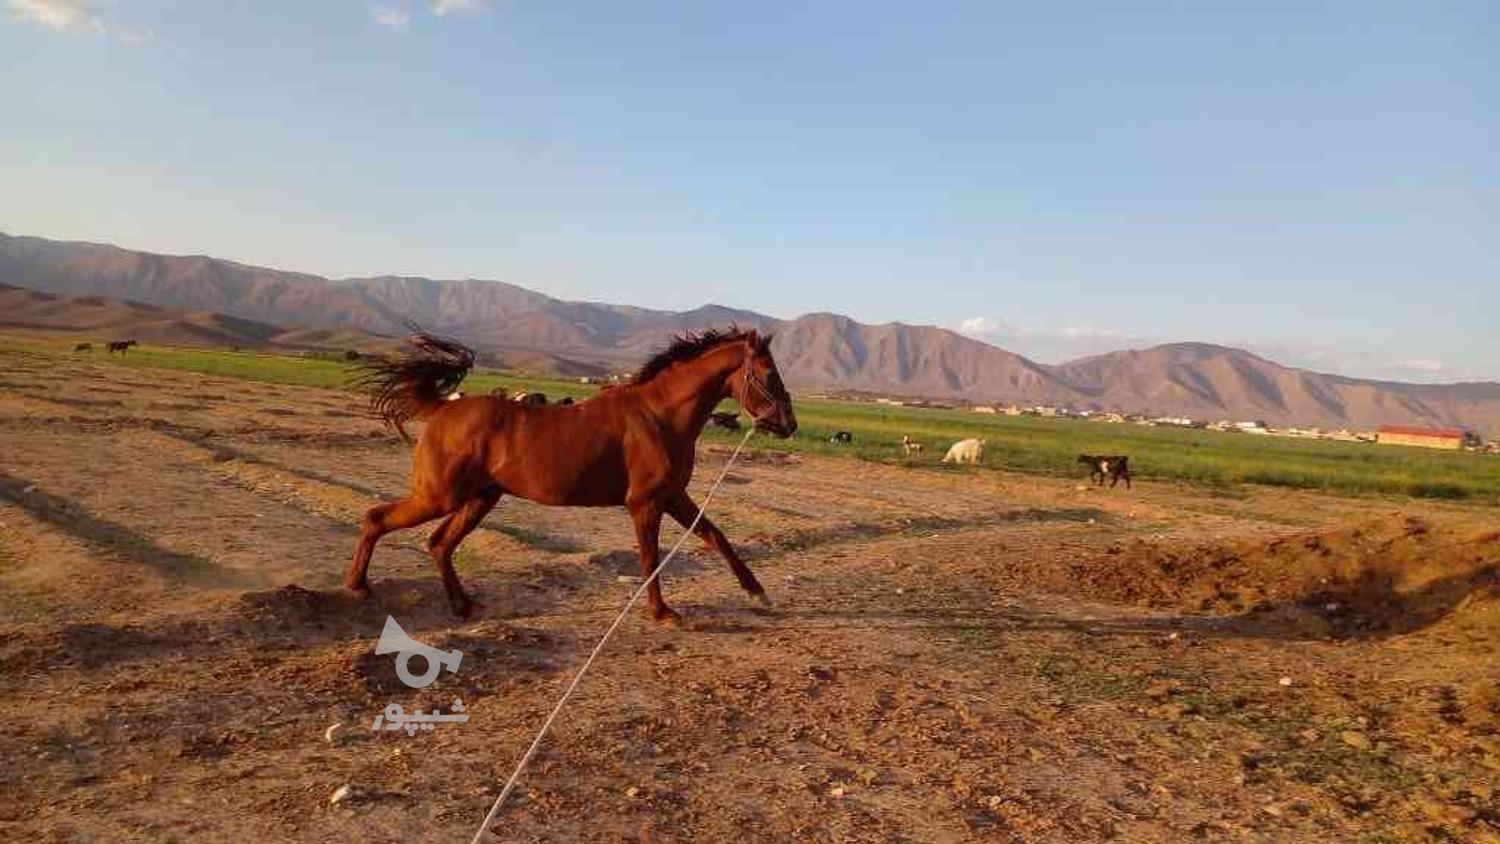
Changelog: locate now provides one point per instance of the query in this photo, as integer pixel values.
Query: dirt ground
(953, 655)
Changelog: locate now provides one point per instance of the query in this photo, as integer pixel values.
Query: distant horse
(565, 401)
(630, 446)
(841, 438)
(533, 399)
(84, 347)
(1116, 467)
(911, 445)
(727, 421)
(118, 346)
(965, 451)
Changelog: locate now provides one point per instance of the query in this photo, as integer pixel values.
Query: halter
(750, 382)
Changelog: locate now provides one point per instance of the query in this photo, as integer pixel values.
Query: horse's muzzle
(781, 425)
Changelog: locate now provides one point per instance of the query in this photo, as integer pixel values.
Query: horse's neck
(688, 393)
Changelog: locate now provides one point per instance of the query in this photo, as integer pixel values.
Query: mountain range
(215, 300)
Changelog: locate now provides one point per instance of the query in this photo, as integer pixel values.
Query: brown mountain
(524, 329)
(1205, 381)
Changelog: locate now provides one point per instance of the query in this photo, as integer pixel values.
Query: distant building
(984, 408)
(1426, 437)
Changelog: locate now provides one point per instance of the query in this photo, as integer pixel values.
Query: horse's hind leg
(647, 518)
(379, 521)
(446, 540)
(682, 509)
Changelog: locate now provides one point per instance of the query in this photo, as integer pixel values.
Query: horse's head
(758, 388)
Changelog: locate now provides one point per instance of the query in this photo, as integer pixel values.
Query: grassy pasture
(1039, 446)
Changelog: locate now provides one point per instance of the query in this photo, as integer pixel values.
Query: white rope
(515, 776)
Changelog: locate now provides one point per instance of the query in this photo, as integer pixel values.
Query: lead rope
(515, 776)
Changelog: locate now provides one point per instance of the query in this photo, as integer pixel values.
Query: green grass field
(1039, 446)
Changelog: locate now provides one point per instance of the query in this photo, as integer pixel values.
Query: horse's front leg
(683, 510)
(647, 518)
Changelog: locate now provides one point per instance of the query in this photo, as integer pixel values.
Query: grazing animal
(911, 445)
(565, 400)
(841, 438)
(727, 421)
(630, 446)
(1116, 467)
(965, 451)
(84, 347)
(119, 346)
(533, 399)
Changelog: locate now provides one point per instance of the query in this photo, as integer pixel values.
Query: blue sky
(1318, 184)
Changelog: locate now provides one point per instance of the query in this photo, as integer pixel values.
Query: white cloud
(390, 17)
(443, 8)
(978, 326)
(1050, 345)
(1427, 365)
(59, 15)
(78, 17)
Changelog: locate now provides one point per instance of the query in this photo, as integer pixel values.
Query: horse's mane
(688, 346)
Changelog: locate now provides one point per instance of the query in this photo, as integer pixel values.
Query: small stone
(29, 489)
(836, 791)
(1355, 739)
(1285, 681)
(344, 794)
(632, 791)
(334, 734)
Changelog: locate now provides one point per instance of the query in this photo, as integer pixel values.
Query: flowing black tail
(415, 384)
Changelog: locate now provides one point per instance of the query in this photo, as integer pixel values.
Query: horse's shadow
(1370, 608)
(117, 539)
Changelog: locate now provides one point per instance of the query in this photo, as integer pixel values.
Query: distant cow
(841, 438)
(119, 346)
(911, 445)
(84, 347)
(533, 399)
(727, 421)
(1115, 466)
(965, 451)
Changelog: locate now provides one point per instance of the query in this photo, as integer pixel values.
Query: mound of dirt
(1378, 578)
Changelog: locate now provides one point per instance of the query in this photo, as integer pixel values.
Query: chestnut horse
(630, 446)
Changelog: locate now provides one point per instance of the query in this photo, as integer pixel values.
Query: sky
(1315, 182)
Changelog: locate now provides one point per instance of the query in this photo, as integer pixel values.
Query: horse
(841, 438)
(84, 347)
(910, 445)
(965, 451)
(631, 446)
(727, 421)
(118, 346)
(1116, 467)
(533, 399)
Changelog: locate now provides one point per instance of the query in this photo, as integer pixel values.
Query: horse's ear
(753, 338)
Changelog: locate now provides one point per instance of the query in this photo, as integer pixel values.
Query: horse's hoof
(467, 608)
(667, 618)
(358, 590)
(760, 599)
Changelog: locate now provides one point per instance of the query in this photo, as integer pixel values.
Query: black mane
(687, 347)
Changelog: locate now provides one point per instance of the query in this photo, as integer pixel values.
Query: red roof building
(1425, 437)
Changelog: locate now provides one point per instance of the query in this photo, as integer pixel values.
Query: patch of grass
(1219, 461)
(1080, 681)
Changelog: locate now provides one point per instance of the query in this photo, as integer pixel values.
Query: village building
(1425, 437)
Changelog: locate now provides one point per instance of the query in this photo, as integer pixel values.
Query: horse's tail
(418, 382)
